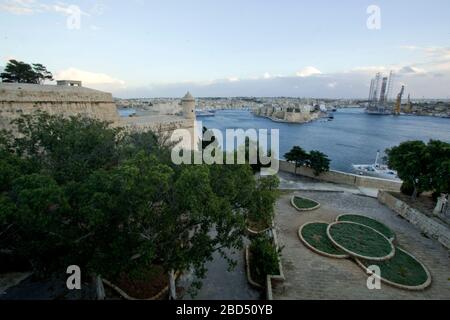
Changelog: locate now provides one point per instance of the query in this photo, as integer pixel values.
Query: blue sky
(247, 47)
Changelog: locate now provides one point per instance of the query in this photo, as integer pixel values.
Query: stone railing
(343, 178)
(429, 225)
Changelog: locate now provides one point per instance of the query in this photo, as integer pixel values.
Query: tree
(409, 159)
(76, 191)
(42, 73)
(21, 72)
(298, 156)
(265, 257)
(438, 165)
(319, 162)
(264, 198)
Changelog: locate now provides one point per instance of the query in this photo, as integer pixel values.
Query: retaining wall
(432, 227)
(343, 178)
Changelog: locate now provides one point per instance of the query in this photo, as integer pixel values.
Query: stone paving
(311, 276)
(221, 283)
(289, 181)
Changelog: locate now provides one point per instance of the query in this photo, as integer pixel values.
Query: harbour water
(353, 137)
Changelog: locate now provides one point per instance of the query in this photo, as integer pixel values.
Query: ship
(376, 170)
(204, 113)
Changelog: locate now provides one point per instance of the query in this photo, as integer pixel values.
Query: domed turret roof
(188, 97)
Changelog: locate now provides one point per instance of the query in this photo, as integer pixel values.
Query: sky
(321, 48)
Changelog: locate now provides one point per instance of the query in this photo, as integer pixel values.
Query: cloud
(411, 70)
(308, 71)
(332, 85)
(19, 7)
(29, 7)
(90, 78)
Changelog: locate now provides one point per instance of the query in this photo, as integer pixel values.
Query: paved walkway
(289, 181)
(222, 284)
(311, 276)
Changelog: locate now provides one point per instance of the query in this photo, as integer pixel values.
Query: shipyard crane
(408, 108)
(398, 103)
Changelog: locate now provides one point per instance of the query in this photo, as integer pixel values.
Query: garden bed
(314, 236)
(304, 204)
(360, 241)
(255, 228)
(255, 281)
(150, 285)
(403, 271)
(372, 223)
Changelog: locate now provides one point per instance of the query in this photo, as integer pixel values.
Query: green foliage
(315, 234)
(402, 269)
(303, 203)
(361, 240)
(298, 156)
(69, 149)
(264, 258)
(264, 197)
(21, 72)
(76, 191)
(374, 224)
(319, 162)
(422, 167)
(316, 160)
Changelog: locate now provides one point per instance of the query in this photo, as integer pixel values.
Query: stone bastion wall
(18, 99)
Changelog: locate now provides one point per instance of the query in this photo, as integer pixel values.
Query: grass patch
(402, 269)
(303, 203)
(360, 240)
(315, 234)
(388, 233)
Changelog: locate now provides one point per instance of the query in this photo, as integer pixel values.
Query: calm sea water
(353, 137)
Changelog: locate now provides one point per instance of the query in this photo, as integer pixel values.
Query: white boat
(376, 170)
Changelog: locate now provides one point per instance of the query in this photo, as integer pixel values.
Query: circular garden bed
(360, 241)
(369, 242)
(403, 271)
(304, 204)
(314, 236)
(372, 223)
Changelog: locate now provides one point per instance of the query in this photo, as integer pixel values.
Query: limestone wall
(344, 178)
(431, 226)
(18, 99)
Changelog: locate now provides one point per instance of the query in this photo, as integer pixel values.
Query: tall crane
(408, 108)
(398, 104)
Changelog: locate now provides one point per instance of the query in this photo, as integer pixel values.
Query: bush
(262, 210)
(264, 258)
(407, 189)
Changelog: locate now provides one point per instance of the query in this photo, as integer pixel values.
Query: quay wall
(343, 178)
